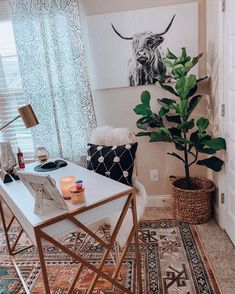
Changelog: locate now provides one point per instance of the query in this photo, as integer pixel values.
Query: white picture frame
(44, 190)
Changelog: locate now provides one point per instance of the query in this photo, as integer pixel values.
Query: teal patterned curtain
(53, 67)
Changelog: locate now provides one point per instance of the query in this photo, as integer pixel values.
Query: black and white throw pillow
(115, 162)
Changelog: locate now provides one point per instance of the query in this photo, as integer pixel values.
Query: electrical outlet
(154, 177)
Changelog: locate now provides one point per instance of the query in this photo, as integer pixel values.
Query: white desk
(104, 197)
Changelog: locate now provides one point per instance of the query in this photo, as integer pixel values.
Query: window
(11, 91)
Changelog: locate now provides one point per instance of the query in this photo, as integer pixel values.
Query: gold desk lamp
(28, 116)
(30, 120)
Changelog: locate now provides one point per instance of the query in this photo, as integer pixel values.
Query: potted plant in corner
(174, 123)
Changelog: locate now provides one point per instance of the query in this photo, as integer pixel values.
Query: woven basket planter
(192, 206)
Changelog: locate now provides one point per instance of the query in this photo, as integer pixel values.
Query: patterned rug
(173, 261)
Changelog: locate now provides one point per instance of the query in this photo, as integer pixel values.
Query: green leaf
(166, 102)
(178, 71)
(162, 134)
(142, 134)
(168, 63)
(142, 123)
(193, 104)
(181, 140)
(194, 137)
(203, 135)
(161, 78)
(181, 107)
(163, 111)
(197, 138)
(175, 155)
(213, 163)
(192, 91)
(193, 61)
(183, 58)
(184, 53)
(175, 132)
(180, 85)
(142, 109)
(170, 55)
(179, 146)
(202, 79)
(207, 150)
(202, 124)
(153, 121)
(173, 118)
(187, 125)
(185, 84)
(216, 143)
(167, 88)
(145, 98)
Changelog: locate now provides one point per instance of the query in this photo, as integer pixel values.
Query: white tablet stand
(44, 190)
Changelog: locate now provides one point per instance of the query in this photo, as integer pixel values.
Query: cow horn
(168, 27)
(125, 38)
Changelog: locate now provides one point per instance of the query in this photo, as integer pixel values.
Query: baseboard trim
(217, 214)
(159, 200)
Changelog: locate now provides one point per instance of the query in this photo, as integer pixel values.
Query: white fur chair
(109, 136)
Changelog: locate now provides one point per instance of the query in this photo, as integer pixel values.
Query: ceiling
(92, 7)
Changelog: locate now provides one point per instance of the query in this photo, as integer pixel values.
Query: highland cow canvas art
(146, 62)
(128, 47)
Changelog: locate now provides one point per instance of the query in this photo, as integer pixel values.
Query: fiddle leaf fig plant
(174, 122)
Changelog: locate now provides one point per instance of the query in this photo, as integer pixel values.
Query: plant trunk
(186, 164)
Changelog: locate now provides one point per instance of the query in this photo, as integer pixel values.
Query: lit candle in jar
(65, 184)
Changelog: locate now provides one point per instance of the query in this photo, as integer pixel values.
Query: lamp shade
(28, 116)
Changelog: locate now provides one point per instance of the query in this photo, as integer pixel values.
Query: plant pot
(192, 206)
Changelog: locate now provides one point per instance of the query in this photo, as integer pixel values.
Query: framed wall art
(127, 47)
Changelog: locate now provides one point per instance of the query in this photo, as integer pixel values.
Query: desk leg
(11, 247)
(137, 246)
(42, 261)
(5, 229)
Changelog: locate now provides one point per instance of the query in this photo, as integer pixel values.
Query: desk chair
(109, 136)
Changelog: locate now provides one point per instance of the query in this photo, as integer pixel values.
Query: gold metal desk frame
(130, 204)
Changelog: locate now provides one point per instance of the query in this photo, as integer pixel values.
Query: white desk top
(21, 202)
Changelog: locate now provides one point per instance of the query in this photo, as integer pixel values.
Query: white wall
(115, 107)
